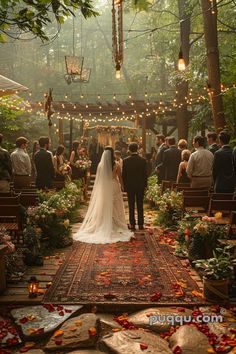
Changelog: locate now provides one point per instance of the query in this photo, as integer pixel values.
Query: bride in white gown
(105, 218)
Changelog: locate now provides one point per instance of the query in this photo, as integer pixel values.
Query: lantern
(181, 62)
(33, 286)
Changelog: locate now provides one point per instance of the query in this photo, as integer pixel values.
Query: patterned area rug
(123, 272)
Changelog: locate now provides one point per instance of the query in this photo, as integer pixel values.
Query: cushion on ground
(134, 342)
(78, 332)
(159, 319)
(190, 340)
(37, 320)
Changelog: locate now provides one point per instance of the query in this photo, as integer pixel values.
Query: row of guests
(202, 166)
(42, 164)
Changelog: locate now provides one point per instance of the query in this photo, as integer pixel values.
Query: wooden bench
(180, 186)
(166, 185)
(27, 199)
(222, 196)
(58, 185)
(11, 220)
(10, 200)
(198, 203)
(193, 193)
(22, 181)
(224, 206)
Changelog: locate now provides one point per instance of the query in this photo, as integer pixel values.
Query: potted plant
(217, 272)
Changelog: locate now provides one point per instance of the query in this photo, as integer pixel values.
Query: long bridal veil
(97, 224)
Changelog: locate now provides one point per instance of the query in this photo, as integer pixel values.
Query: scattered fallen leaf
(58, 333)
(143, 346)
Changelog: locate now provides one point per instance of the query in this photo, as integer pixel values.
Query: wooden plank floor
(18, 293)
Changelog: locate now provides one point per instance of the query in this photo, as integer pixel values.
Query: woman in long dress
(105, 218)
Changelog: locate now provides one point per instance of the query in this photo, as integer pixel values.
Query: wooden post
(144, 135)
(136, 120)
(61, 135)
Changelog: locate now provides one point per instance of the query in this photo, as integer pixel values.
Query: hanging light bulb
(118, 67)
(181, 62)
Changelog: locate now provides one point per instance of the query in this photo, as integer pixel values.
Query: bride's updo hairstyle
(112, 155)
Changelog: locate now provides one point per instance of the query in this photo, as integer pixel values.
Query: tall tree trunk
(182, 114)
(209, 10)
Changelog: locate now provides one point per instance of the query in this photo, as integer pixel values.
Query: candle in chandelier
(118, 74)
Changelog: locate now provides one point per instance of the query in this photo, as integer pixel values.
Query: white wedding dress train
(105, 218)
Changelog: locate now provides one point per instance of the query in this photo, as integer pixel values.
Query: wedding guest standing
(59, 162)
(171, 160)
(5, 168)
(44, 165)
(212, 142)
(36, 147)
(134, 176)
(182, 174)
(21, 164)
(223, 171)
(74, 157)
(95, 153)
(118, 158)
(200, 163)
(160, 171)
(182, 144)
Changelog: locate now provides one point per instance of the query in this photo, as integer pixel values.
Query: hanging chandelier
(117, 35)
(75, 71)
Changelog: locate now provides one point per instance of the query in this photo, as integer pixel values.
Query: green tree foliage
(31, 16)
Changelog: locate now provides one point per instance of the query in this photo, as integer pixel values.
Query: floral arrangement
(5, 239)
(50, 220)
(83, 164)
(65, 169)
(221, 266)
(153, 193)
(200, 235)
(170, 208)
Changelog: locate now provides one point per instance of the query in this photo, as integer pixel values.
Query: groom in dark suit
(134, 174)
(44, 165)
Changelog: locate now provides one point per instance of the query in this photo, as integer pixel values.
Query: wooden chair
(195, 193)
(222, 196)
(224, 206)
(11, 220)
(199, 203)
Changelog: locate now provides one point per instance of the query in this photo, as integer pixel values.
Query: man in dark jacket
(212, 142)
(160, 171)
(134, 174)
(171, 160)
(44, 165)
(223, 170)
(5, 168)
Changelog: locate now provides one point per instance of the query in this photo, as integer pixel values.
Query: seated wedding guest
(44, 165)
(118, 158)
(5, 168)
(200, 163)
(36, 147)
(21, 164)
(182, 174)
(212, 142)
(223, 171)
(62, 169)
(182, 144)
(171, 160)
